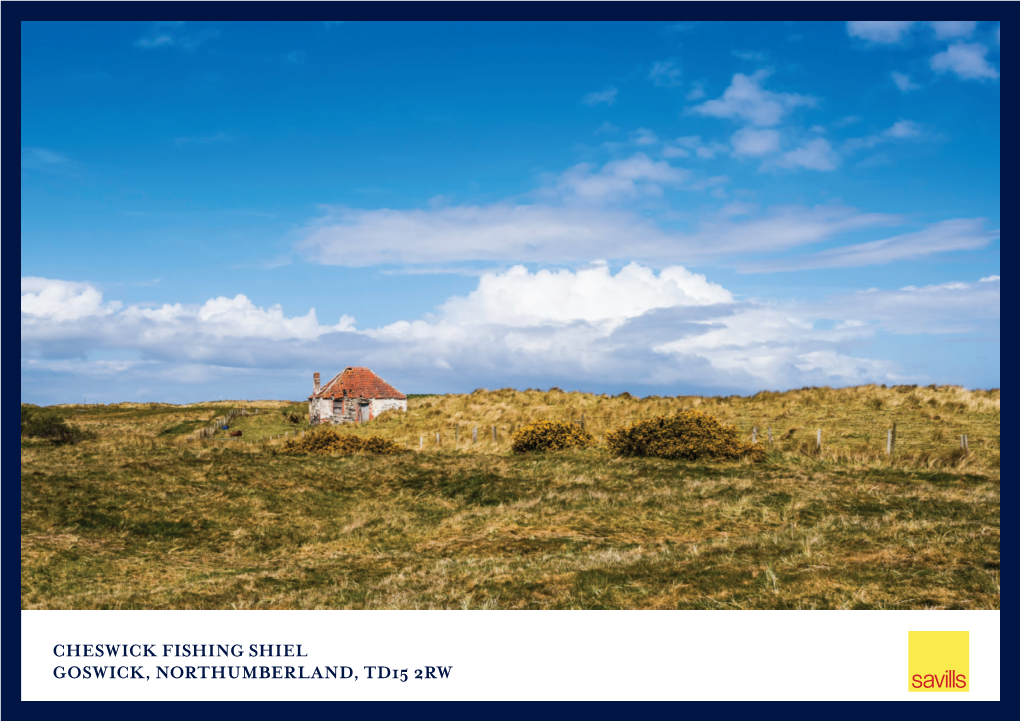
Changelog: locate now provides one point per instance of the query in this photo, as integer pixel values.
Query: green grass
(139, 518)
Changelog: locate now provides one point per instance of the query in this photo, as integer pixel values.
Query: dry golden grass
(142, 518)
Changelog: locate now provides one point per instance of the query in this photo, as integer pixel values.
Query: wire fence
(869, 434)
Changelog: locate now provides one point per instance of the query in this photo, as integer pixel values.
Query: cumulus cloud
(626, 178)
(710, 150)
(644, 136)
(521, 298)
(755, 142)
(607, 96)
(747, 100)
(953, 28)
(815, 154)
(58, 311)
(43, 299)
(879, 31)
(671, 329)
(967, 60)
(903, 82)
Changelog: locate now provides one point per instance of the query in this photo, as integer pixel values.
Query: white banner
(491, 655)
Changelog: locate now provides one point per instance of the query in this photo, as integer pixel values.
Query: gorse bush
(550, 436)
(688, 435)
(326, 439)
(42, 423)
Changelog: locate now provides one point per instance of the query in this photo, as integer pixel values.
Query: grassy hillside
(146, 517)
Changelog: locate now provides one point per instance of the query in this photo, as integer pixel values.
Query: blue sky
(220, 209)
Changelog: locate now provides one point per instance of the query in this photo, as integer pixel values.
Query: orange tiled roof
(359, 383)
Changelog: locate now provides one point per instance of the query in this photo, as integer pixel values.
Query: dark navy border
(10, 47)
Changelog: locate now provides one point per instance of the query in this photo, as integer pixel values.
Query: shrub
(292, 416)
(550, 436)
(326, 439)
(689, 435)
(42, 423)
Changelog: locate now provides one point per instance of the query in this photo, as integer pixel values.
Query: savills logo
(939, 661)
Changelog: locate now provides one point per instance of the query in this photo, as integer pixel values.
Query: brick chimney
(315, 382)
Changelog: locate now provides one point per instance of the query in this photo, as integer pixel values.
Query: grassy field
(145, 516)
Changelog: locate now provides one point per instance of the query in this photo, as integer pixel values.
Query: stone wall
(387, 404)
(326, 410)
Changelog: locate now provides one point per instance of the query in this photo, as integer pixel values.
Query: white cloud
(671, 151)
(945, 236)
(937, 309)
(521, 298)
(900, 130)
(58, 300)
(815, 154)
(990, 279)
(167, 34)
(607, 128)
(564, 233)
(750, 55)
(672, 329)
(903, 82)
(747, 100)
(755, 142)
(967, 60)
(629, 178)
(879, 31)
(710, 150)
(696, 93)
(48, 304)
(665, 73)
(607, 96)
(904, 129)
(644, 136)
(953, 28)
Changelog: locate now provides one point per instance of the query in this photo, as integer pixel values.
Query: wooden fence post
(474, 434)
(582, 421)
(494, 434)
(888, 442)
(818, 443)
(421, 442)
(437, 438)
(754, 435)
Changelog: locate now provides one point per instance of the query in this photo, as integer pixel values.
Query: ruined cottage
(355, 395)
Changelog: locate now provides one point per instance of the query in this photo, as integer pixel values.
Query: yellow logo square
(939, 661)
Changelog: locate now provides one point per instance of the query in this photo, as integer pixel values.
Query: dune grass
(146, 517)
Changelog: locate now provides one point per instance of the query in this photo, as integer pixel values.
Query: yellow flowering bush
(688, 435)
(327, 439)
(550, 436)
